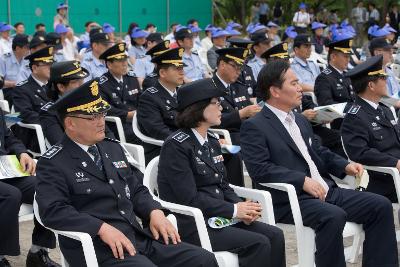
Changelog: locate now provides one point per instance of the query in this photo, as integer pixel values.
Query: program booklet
(326, 114)
(10, 167)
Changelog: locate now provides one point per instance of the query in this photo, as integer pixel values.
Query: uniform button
(217, 191)
(88, 190)
(236, 108)
(119, 195)
(111, 181)
(216, 175)
(122, 212)
(172, 117)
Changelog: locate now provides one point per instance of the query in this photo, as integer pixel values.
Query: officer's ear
(274, 91)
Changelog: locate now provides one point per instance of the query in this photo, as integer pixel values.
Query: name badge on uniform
(127, 191)
(114, 95)
(119, 164)
(199, 161)
(81, 177)
(133, 92)
(218, 159)
(375, 126)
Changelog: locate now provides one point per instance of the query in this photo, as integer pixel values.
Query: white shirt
(372, 104)
(222, 81)
(5, 46)
(85, 148)
(169, 91)
(280, 114)
(301, 19)
(39, 82)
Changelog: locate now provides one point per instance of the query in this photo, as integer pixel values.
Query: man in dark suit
(369, 130)
(13, 192)
(394, 17)
(278, 146)
(86, 184)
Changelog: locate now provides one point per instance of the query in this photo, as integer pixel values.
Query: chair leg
(306, 248)
(351, 253)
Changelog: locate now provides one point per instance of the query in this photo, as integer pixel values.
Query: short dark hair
(132, 25)
(360, 83)
(18, 24)
(161, 67)
(331, 52)
(37, 26)
(88, 23)
(173, 25)
(14, 46)
(192, 115)
(271, 75)
(191, 21)
(149, 25)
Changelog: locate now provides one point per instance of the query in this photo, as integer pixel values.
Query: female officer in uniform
(191, 172)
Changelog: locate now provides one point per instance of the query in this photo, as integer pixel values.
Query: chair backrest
(135, 155)
(396, 69)
(143, 137)
(150, 176)
(119, 127)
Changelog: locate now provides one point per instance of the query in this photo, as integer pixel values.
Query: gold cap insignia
(121, 47)
(285, 46)
(94, 88)
(107, 37)
(166, 44)
(51, 50)
(245, 53)
(181, 52)
(351, 43)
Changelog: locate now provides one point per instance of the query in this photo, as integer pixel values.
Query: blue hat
(209, 27)
(302, 5)
(193, 28)
(108, 28)
(347, 26)
(272, 24)
(380, 32)
(62, 5)
(138, 33)
(250, 27)
(340, 35)
(372, 29)
(389, 28)
(257, 27)
(316, 25)
(234, 25)
(218, 32)
(5, 27)
(60, 28)
(291, 32)
(232, 31)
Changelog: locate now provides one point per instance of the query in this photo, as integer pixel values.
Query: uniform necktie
(380, 110)
(175, 96)
(94, 151)
(295, 133)
(206, 149)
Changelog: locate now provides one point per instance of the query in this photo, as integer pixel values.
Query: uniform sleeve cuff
(234, 211)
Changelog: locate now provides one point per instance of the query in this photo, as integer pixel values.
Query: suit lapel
(278, 126)
(39, 91)
(199, 152)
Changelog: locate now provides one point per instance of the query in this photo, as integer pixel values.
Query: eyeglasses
(236, 67)
(218, 103)
(94, 117)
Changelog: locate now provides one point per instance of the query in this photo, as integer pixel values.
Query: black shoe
(4, 263)
(40, 259)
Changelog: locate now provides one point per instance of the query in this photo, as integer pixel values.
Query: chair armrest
(294, 202)
(262, 197)
(87, 245)
(224, 133)
(394, 172)
(118, 124)
(135, 155)
(39, 134)
(4, 105)
(143, 137)
(196, 214)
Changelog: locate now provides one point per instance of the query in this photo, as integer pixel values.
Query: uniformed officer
(30, 95)
(54, 39)
(194, 69)
(246, 76)
(99, 42)
(11, 62)
(85, 184)
(143, 65)
(138, 40)
(37, 43)
(261, 43)
(151, 78)
(381, 46)
(331, 86)
(64, 76)
(5, 38)
(120, 88)
(191, 161)
(218, 38)
(157, 105)
(13, 192)
(370, 133)
(306, 70)
(278, 51)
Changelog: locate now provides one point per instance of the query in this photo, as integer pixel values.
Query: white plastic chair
(143, 137)
(135, 155)
(224, 133)
(25, 213)
(118, 124)
(39, 135)
(4, 105)
(396, 69)
(224, 258)
(306, 235)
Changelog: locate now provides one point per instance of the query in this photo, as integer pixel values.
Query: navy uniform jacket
(150, 80)
(246, 77)
(372, 139)
(187, 176)
(9, 144)
(74, 195)
(156, 116)
(52, 126)
(331, 87)
(231, 103)
(271, 155)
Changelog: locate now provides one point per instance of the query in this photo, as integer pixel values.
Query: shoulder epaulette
(89, 59)
(152, 90)
(46, 106)
(327, 71)
(111, 139)
(354, 109)
(52, 151)
(88, 50)
(103, 79)
(131, 73)
(195, 53)
(180, 137)
(152, 75)
(21, 83)
(7, 54)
